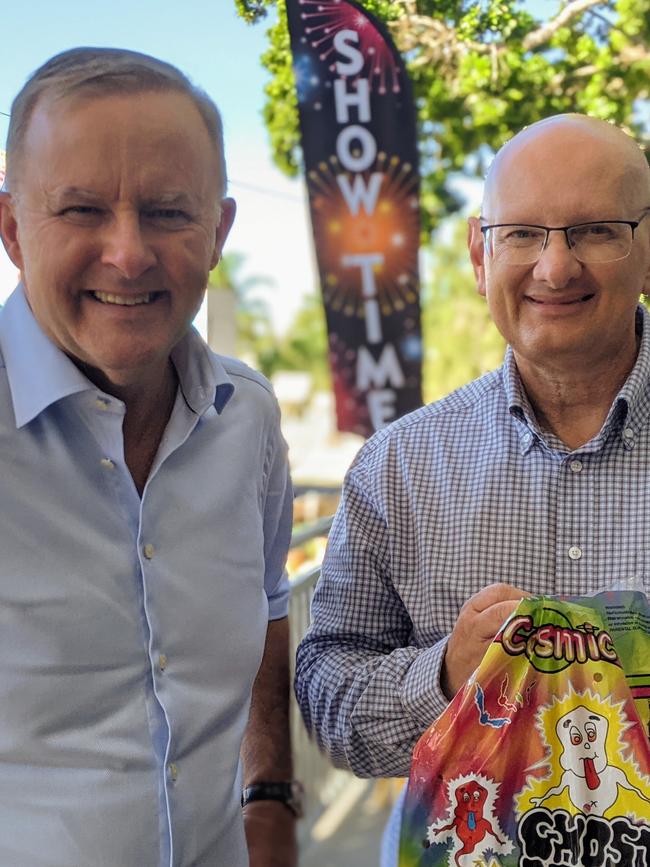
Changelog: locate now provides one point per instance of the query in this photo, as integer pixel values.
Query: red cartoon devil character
(469, 824)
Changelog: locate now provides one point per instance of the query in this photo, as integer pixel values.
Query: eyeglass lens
(593, 242)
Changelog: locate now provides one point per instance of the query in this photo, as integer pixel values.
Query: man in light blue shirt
(145, 504)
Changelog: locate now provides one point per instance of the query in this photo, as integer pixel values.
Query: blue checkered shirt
(460, 494)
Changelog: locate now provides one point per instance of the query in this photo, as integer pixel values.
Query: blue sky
(218, 51)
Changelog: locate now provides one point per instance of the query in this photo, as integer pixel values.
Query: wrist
(288, 793)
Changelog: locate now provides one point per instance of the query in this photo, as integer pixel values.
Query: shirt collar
(629, 409)
(633, 400)
(40, 374)
(202, 377)
(518, 403)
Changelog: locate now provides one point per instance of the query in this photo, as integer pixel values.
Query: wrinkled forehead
(162, 118)
(567, 171)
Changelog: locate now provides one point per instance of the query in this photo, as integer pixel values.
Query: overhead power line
(264, 190)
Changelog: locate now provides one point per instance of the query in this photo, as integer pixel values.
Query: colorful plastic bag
(543, 759)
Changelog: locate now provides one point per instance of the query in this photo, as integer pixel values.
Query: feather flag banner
(361, 163)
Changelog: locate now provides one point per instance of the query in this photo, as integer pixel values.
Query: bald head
(569, 158)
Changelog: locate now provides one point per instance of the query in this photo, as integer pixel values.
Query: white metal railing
(321, 527)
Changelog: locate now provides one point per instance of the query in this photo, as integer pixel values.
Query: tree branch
(431, 40)
(543, 34)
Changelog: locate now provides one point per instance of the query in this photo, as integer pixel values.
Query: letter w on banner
(359, 144)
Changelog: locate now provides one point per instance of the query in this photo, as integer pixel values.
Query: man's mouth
(125, 300)
(561, 302)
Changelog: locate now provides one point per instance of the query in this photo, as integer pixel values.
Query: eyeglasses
(515, 244)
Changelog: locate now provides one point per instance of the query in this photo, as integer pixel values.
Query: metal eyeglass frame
(548, 229)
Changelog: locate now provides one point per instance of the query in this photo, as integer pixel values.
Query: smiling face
(114, 225)
(560, 312)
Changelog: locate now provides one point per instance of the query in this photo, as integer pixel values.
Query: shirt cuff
(279, 598)
(422, 695)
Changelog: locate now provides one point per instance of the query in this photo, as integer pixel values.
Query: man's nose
(557, 265)
(126, 247)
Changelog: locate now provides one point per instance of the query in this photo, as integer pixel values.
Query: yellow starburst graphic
(589, 766)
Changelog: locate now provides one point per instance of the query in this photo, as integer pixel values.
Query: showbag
(543, 758)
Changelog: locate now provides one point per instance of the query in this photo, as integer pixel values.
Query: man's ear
(645, 291)
(228, 210)
(9, 230)
(476, 247)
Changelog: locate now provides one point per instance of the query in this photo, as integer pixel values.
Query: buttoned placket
(181, 424)
(575, 521)
(105, 416)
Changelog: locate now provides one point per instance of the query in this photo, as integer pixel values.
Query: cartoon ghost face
(583, 733)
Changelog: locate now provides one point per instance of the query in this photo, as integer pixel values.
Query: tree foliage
(482, 71)
(303, 347)
(461, 341)
(254, 329)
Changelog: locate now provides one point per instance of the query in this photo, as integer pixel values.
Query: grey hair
(103, 72)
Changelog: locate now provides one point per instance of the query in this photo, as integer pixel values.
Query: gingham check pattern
(454, 496)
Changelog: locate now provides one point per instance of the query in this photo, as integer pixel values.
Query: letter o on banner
(351, 161)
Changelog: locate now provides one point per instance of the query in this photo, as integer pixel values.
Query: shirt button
(107, 463)
(576, 466)
(628, 433)
(575, 553)
(148, 551)
(102, 403)
(173, 771)
(162, 662)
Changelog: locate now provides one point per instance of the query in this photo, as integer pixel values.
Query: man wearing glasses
(532, 479)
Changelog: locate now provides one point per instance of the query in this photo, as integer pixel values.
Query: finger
(495, 593)
(488, 622)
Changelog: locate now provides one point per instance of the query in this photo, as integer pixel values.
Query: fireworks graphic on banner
(322, 21)
(309, 81)
(393, 228)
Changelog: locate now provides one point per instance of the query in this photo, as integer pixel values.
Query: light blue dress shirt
(131, 628)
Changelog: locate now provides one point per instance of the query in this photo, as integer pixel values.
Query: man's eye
(597, 232)
(167, 215)
(80, 210)
(599, 229)
(522, 234)
(519, 235)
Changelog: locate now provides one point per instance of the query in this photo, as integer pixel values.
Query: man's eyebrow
(168, 198)
(171, 198)
(72, 193)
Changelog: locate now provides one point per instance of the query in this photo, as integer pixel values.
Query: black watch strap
(290, 794)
